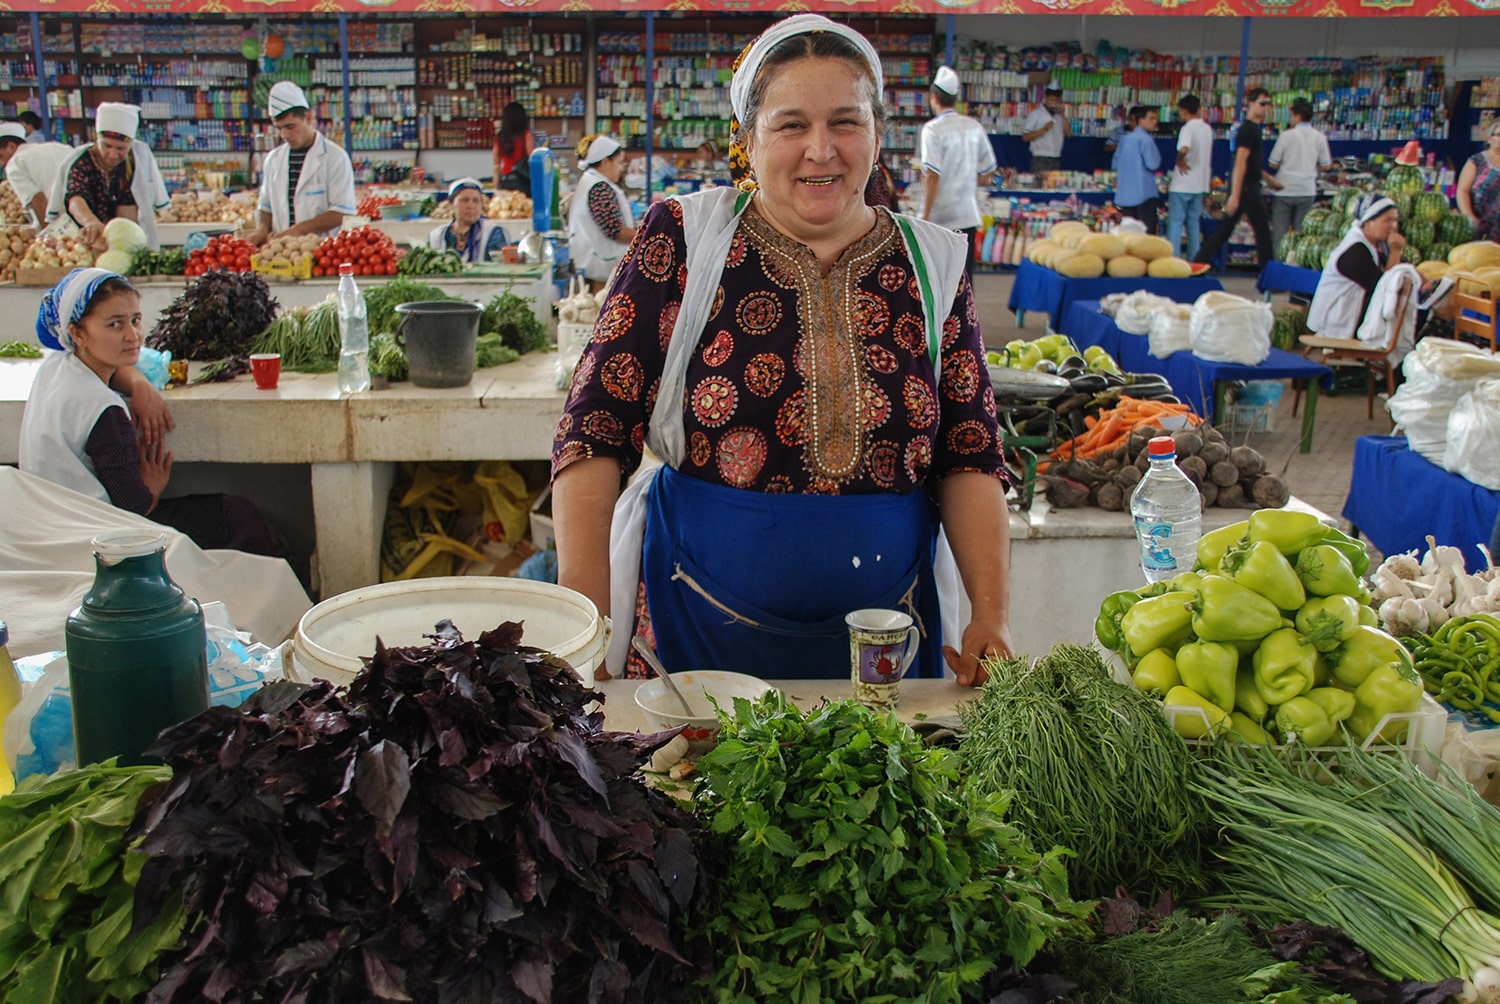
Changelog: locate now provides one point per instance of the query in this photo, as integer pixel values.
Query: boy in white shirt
(1045, 129)
(1192, 178)
(1299, 156)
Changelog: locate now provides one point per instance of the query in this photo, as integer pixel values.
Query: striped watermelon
(1345, 201)
(1402, 201)
(1287, 246)
(1429, 206)
(1412, 255)
(1455, 228)
(1317, 221)
(1439, 251)
(1419, 232)
(1405, 178)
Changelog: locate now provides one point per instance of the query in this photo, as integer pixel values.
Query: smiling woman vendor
(811, 371)
(470, 234)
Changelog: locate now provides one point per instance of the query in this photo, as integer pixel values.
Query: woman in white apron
(1354, 269)
(474, 237)
(600, 223)
(116, 175)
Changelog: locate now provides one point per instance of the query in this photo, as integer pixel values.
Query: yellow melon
(1126, 266)
(1073, 238)
(1490, 276)
(1147, 247)
(1434, 269)
(1083, 266)
(1037, 251)
(1067, 227)
(1170, 267)
(1468, 282)
(1475, 255)
(1106, 246)
(1056, 258)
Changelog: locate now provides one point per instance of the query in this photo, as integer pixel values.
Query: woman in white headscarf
(811, 372)
(470, 234)
(77, 433)
(1371, 248)
(114, 176)
(600, 222)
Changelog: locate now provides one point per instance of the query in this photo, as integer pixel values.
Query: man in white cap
(30, 167)
(956, 159)
(307, 183)
(115, 176)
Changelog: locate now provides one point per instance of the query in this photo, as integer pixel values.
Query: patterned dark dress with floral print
(802, 382)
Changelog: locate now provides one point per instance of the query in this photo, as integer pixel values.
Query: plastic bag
(1421, 405)
(1171, 330)
(1456, 360)
(1231, 329)
(39, 730)
(1133, 316)
(434, 506)
(1473, 435)
(153, 366)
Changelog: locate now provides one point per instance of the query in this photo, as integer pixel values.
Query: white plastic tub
(334, 635)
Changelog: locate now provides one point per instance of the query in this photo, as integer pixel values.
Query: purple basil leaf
(385, 981)
(382, 781)
(572, 749)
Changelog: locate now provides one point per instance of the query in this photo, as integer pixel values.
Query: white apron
(146, 185)
(709, 221)
(587, 243)
(1338, 304)
(438, 239)
(66, 401)
(326, 182)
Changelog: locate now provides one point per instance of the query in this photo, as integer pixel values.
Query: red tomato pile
(370, 205)
(225, 251)
(370, 251)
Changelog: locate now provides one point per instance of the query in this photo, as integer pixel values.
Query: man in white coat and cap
(115, 176)
(956, 159)
(31, 168)
(307, 183)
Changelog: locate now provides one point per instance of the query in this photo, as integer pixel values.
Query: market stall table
(1042, 289)
(1279, 277)
(1397, 497)
(175, 235)
(1197, 382)
(530, 282)
(406, 232)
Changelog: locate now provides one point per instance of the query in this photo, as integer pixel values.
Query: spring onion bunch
(1363, 842)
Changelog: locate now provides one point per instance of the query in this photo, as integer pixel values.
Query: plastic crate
(1244, 417)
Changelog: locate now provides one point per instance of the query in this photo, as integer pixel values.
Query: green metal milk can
(137, 661)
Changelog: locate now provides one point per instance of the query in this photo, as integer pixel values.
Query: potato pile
(508, 205)
(13, 244)
(58, 252)
(1228, 477)
(1074, 250)
(287, 249)
(209, 207)
(11, 210)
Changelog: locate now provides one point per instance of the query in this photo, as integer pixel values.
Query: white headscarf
(744, 74)
(112, 116)
(463, 183)
(63, 305)
(1370, 207)
(599, 149)
(13, 130)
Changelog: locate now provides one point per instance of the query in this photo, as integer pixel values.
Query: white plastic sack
(1231, 329)
(1421, 405)
(1456, 360)
(1171, 330)
(1473, 435)
(1134, 313)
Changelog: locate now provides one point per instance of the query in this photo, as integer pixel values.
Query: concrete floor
(1319, 478)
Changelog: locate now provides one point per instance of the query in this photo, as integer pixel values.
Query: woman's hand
(156, 468)
(149, 409)
(980, 641)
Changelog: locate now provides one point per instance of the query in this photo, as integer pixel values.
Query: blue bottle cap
(4, 634)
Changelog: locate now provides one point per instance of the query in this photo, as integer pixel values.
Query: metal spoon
(651, 660)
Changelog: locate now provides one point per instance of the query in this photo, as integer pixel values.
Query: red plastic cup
(266, 368)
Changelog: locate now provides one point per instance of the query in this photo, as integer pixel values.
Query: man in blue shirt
(1136, 162)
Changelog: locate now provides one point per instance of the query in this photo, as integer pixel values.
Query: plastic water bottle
(1168, 514)
(354, 335)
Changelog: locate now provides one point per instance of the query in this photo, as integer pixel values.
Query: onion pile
(11, 210)
(209, 207)
(13, 244)
(58, 252)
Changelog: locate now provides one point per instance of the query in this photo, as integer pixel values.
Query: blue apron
(757, 583)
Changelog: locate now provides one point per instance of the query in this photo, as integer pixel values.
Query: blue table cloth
(1397, 497)
(1041, 289)
(1196, 382)
(1279, 277)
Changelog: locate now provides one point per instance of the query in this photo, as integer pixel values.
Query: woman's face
(110, 336)
(1381, 227)
(813, 147)
(613, 166)
(468, 206)
(1494, 139)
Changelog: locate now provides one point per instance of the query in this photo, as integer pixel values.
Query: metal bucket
(438, 337)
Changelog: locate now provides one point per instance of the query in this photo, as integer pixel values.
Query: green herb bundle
(382, 299)
(512, 318)
(1095, 767)
(67, 927)
(307, 338)
(854, 869)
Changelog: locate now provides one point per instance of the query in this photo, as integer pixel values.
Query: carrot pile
(1113, 427)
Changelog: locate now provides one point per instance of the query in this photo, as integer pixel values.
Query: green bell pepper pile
(1271, 639)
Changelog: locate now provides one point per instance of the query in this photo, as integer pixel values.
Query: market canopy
(1194, 8)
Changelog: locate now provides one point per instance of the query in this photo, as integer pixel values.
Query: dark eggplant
(1089, 383)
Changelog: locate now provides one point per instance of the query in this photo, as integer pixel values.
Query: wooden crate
(40, 276)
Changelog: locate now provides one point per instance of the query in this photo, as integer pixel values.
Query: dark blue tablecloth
(1279, 277)
(1041, 289)
(1398, 497)
(1192, 379)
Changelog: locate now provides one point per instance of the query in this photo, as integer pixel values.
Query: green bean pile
(306, 337)
(1095, 767)
(1460, 663)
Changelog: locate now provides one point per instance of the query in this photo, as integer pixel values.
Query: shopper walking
(812, 373)
(115, 176)
(601, 224)
(1136, 162)
(1245, 198)
(1479, 187)
(956, 159)
(307, 183)
(32, 169)
(473, 237)
(514, 142)
(1045, 129)
(1299, 156)
(1192, 177)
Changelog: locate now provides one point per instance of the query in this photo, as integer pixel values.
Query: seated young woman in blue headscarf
(77, 432)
